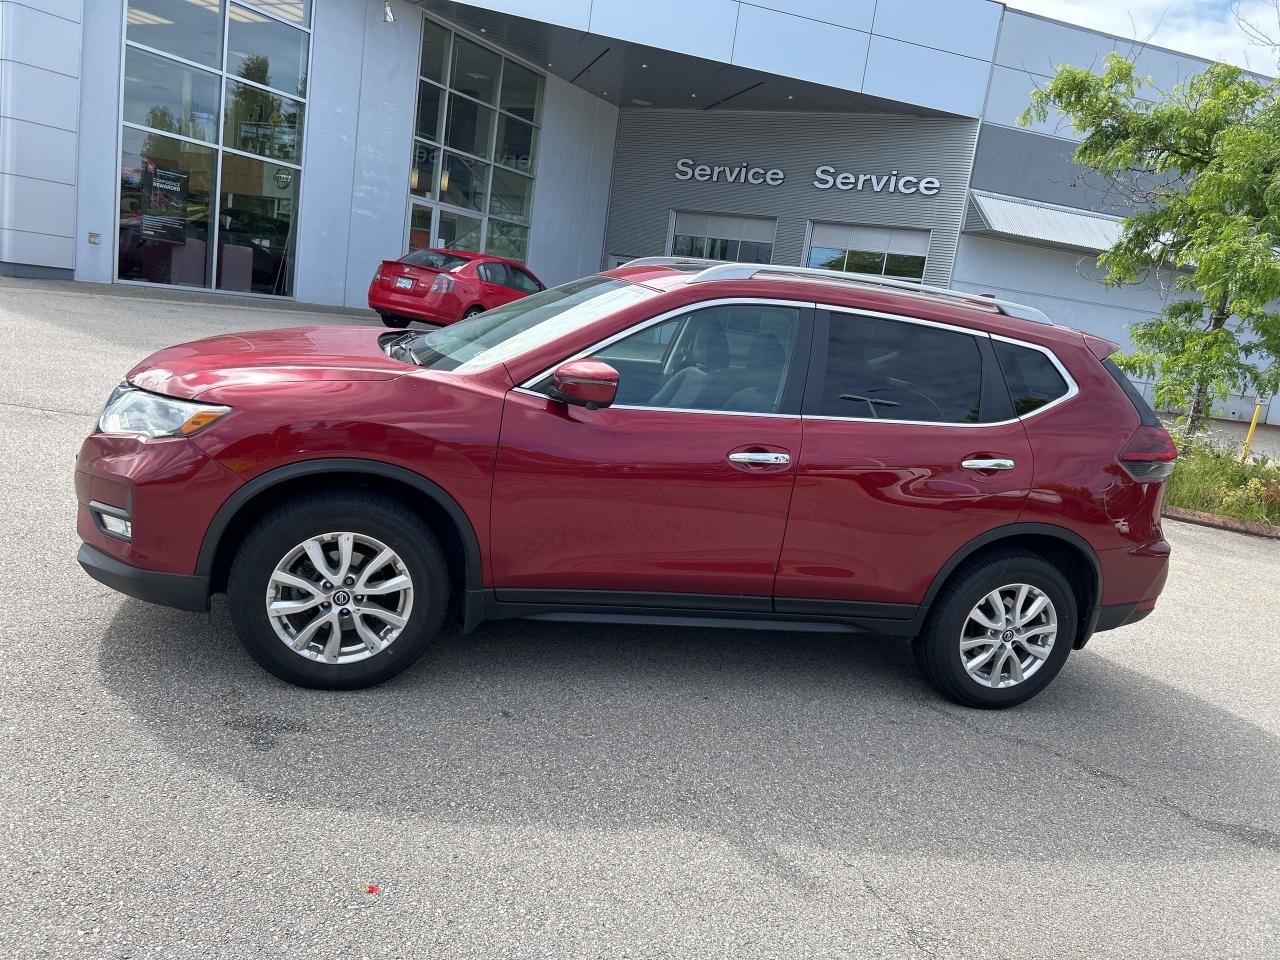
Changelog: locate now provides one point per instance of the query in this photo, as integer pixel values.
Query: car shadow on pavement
(756, 738)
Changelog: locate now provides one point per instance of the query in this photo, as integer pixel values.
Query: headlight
(130, 410)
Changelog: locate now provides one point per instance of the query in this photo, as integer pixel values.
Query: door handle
(988, 463)
(760, 457)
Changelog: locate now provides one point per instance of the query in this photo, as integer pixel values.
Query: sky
(1206, 28)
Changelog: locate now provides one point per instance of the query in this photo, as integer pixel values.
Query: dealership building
(282, 148)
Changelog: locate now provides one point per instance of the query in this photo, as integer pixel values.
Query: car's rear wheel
(393, 321)
(339, 590)
(999, 631)
(471, 312)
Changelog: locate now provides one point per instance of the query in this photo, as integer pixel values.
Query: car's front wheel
(999, 631)
(339, 590)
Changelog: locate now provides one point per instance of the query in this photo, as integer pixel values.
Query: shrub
(1211, 479)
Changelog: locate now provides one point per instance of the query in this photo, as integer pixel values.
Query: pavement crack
(917, 939)
(1258, 838)
(45, 410)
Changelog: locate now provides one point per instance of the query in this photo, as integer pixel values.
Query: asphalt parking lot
(543, 790)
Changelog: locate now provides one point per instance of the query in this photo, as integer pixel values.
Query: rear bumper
(425, 308)
(183, 591)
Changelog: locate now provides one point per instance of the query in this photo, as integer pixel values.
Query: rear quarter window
(1031, 376)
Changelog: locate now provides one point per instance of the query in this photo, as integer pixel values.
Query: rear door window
(519, 280)
(879, 369)
(493, 273)
(1031, 376)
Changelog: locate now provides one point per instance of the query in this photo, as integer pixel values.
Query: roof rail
(674, 262)
(719, 270)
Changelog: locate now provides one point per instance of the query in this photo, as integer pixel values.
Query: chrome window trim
(715, 413)
(1072, 388)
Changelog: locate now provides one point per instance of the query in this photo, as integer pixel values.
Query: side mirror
(585, 383)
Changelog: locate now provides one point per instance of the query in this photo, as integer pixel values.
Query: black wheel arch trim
(472, 575)
(1006, 532)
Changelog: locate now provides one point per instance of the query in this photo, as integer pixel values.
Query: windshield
(522, 325)
(434, 258)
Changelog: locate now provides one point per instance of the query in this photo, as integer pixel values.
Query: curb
(1248, 527)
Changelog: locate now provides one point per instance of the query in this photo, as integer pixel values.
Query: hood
(264, 357)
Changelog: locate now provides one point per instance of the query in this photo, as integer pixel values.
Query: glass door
(422, 227)
(457, 231)
(432, 226)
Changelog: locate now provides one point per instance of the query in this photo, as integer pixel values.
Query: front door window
(731, 358)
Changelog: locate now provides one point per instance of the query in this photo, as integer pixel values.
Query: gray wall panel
(39, 103)
(571, 185)
(645, 189)
(99, 146)
(1020, 163)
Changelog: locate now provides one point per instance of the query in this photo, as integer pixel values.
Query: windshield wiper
(398, 349)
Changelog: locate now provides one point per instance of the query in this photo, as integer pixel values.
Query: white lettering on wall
(743, 172)
(825, 177)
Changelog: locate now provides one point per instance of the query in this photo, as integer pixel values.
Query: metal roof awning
(1047, 224)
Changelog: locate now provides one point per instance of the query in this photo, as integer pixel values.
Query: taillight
(1149, 454)
(443, 283)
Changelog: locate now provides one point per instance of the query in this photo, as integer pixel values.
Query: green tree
(1201, 163)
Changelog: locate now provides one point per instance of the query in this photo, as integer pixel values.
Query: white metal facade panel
(1045, 223)
(773, 42)
(702, 29)
(966, 27)
(931, 78)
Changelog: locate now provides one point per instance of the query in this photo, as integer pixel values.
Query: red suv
(445, 286)
(728, 445)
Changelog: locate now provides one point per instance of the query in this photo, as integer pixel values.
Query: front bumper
(183, 591)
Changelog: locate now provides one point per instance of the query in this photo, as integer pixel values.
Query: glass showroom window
(211, 150)
(718, 237)
(474, 146)
(889, 251)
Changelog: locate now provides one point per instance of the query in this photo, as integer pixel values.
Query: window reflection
(512, 196)
(256, 216)
(475, 70)
(484, 109)
(177, 226)
(458, 232)
(261, 122)
(469, 127)
(165, 188)
(191, 29)
(517, 142)
(508, 240)
(422, 174)
(462, 182)
(295, 11)
(168, 95)
(265, 50)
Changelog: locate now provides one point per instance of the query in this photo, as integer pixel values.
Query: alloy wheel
(1008, 635)
(339, 597)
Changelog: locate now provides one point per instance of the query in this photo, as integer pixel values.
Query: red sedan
(444, 286)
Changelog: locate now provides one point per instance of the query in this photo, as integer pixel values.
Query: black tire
(366, 514)
(471, 312)
(396, 323)
(937, 649)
